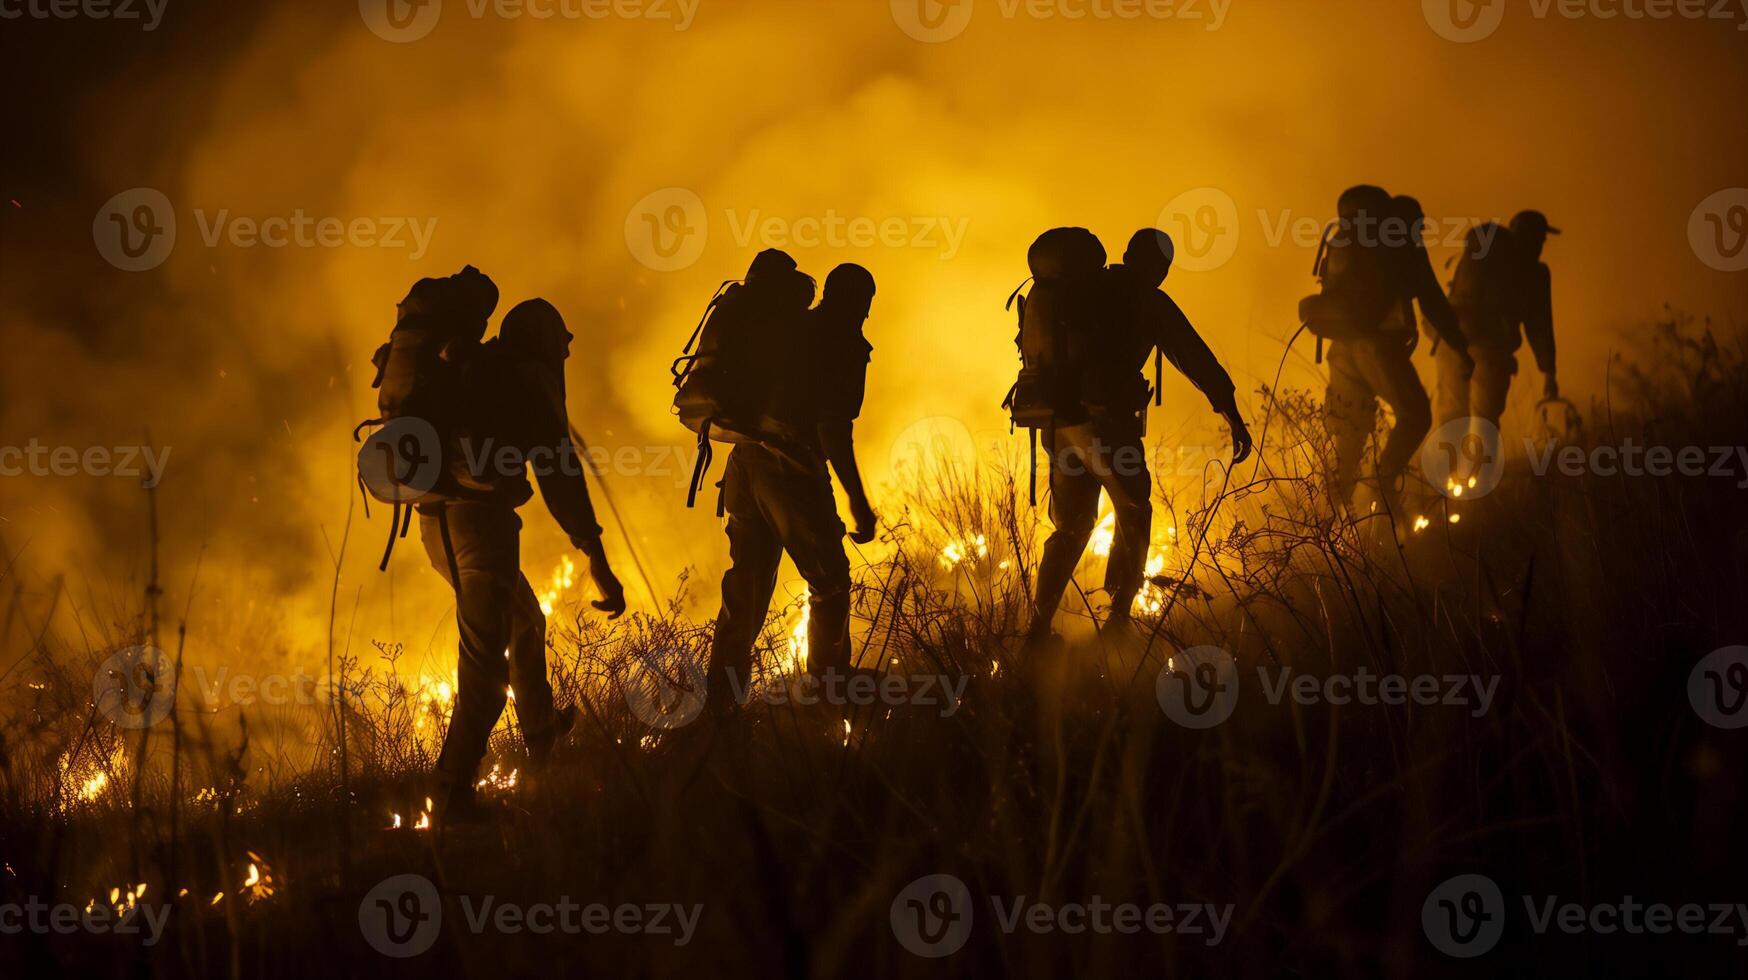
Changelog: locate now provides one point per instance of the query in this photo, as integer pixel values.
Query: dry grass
(1058, 778)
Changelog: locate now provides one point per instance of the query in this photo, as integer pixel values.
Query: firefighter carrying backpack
(1057, 318)
(1484, 288)
(414, 457)
(1354, 294)
(736, 376)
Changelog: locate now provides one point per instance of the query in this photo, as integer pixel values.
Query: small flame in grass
(563, 579)
(498, 780)
(1421, 523)
(795, 637)
(957, 552)
(846, 731)
(1456, 518)
(1104, 534)
(259, 885)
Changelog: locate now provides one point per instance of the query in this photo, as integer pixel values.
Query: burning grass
(1054, 775)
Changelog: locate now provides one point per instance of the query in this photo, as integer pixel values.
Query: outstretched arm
(1190, 354)
(838, 438)
(565, 488)
(1435, 306)
(1538, 324)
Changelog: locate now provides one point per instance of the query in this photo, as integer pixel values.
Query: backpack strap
(706, 455)
(1015, 295)
(1319, 358)
(1158, 377)
(1323, 249)
(448, 543)
(1034, 486)
(393, 523)
(687, 355)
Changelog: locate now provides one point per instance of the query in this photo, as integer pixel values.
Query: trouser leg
(1122, 471)
(1494, 370)
(528, 681)
(1350, 412)
(798, 503)
(754, 556)
(1074, 510)
(1455, 375)
(484, 542)
(1392, 375)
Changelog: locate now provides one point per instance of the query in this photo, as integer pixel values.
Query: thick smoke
(525, 146)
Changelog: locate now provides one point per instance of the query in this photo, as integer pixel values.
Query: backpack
(413, 457)
(1058, 320)
(1355, 291)
(1114, 384)
(737, 377)
(1484, 288)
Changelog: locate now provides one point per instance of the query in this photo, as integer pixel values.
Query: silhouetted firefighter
(464, 420)
(783, 385)
(1503, 295)
(1373, 268)
(1085, 336)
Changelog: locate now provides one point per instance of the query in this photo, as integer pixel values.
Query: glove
(612, 601)
(867, 524)
(1550, 388)
(1241, 441)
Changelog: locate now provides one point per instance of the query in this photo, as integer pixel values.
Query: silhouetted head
(1066, 252)
(777, 284)
(1532, 231)
(1490, 239)
(771, 262)
(1407, 223)
(1149, 255)
(1365, 202)
(849, 290)
(465, 301)
(535, 329)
